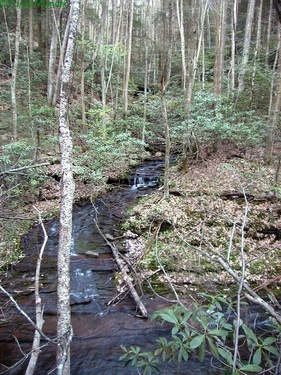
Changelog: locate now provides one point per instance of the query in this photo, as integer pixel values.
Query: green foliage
(99, 157)
(215, 119)
(207, 329)
(15, 155)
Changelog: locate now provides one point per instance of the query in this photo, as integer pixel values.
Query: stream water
(99, 328)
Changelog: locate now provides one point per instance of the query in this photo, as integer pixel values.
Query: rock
(158, 154)
(92, 254)
(109, 237)
(80, 301)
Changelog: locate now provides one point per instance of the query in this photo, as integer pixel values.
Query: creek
(99, 328)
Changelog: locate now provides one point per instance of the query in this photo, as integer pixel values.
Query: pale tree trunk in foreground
(64, 328)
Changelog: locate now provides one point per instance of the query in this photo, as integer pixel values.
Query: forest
(90, 90)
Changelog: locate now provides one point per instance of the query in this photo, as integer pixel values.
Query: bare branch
(38, 305)
(242, 279)
(26, 316)
(11, 171)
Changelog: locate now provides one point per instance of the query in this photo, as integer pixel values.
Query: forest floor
(225, 207)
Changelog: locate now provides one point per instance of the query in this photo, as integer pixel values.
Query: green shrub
(207, 329)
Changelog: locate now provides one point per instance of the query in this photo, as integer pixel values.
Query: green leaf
(175, 330)
(213, 348)
(257, 357)
(203, 321)
(250, 333)
(185, 354)
(169, 318)
(269, 340)
(196, 341)
(218, 332)
(123, 357)
(272, 350)
(226, 355)
(228, 326)
(251, 368)
(202, 351)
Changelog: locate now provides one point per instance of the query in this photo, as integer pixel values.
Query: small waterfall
(146, 177)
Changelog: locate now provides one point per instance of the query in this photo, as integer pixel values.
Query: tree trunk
(275, 101)
(62, 53)
(128, 56)
(64, 328)
(82, 69)
(179, 4)
(53, 55)
(257, 47)
(247, 42)
(103, 60)
(221, 13)
(14, 73)
(233, 43)
(39, 28)
(30, 18)
(277, 5)
(165, 80)
(268, 36)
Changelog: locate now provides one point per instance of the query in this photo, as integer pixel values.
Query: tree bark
(221, 13)
(64, 328)
(30, 18)
(257, 47)
(83, 109)
(247, 42)
(233, 43)
(53, 55)
(275, 103)
(15, 71)
(277, 5)
(128, 56)
(165, 80)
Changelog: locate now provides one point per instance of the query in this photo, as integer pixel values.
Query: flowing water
(99, 327)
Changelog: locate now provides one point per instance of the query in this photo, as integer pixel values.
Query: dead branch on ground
(125, 276)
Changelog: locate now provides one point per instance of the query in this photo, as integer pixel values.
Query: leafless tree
(64, 327)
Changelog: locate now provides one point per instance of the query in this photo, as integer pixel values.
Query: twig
(15, 218)
(26, 316)
(15, 170)
(241, 283)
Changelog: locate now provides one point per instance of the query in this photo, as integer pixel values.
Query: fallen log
(125, 276)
